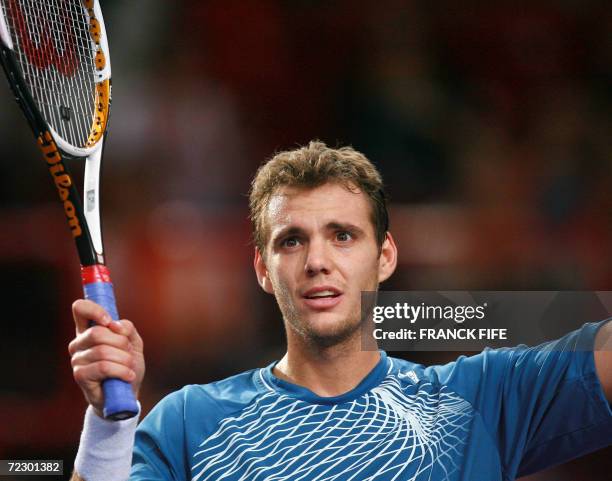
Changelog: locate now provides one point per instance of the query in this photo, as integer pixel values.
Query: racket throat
(91, 200)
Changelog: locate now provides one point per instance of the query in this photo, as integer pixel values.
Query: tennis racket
(55, 56)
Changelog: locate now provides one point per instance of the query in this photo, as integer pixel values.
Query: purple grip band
(119, 400)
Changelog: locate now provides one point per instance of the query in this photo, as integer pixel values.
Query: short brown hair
(312, 166)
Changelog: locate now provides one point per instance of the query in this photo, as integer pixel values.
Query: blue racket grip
(119, 400)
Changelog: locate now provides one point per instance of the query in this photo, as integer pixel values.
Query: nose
(317, 258)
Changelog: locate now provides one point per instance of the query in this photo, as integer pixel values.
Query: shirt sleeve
(542, 405)
(159, 446)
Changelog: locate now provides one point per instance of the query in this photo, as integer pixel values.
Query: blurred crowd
(489, 121)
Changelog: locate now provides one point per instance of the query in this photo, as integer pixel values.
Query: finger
(84, 311)
(99, 371)
(98, 335)
(102, 353)
(127, 328)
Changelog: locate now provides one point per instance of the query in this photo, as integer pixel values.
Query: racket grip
(119, 400)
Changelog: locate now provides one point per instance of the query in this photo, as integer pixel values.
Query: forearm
(75, 477)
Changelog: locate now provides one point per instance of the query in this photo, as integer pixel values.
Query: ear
(387, 261)
(262, 272)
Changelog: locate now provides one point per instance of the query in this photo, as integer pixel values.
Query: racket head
(57, 55)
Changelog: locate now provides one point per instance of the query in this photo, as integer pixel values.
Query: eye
(344, 236)
(290, 242)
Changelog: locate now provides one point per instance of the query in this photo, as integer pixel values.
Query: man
(329, 410)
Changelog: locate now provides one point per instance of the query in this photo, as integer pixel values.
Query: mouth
(323, 297)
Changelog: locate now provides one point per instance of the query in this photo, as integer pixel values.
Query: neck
(329, 371)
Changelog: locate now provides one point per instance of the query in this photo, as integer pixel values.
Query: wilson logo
(62, 180)
(40, 37)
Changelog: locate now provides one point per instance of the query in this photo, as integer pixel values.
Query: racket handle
(119, 400)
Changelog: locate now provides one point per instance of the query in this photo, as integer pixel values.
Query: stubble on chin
(347, 330)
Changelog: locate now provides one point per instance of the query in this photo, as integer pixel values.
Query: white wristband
(105, 450)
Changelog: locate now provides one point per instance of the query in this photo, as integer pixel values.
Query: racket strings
(56, 53)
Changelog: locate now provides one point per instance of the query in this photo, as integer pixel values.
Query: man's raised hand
(107, 350)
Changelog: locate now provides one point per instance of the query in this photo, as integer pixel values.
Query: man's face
(321, 252)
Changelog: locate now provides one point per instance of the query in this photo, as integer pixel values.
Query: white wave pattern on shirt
(384, 434)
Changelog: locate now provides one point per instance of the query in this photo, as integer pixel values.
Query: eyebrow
(344, 226)
(330, 226)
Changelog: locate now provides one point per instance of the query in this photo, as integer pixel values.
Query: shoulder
(208, 402)
(502, 371)
(462, 375)
(407, 372)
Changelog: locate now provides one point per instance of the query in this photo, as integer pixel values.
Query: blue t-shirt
(497, 415)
